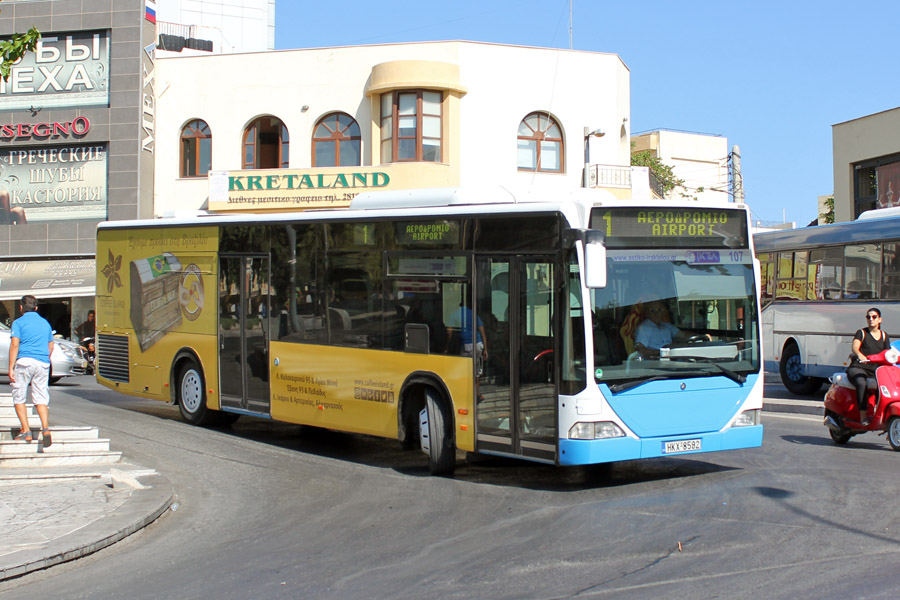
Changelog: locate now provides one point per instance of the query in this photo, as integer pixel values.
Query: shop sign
(292, 189)
(53, 183)
(64, 70)
(76, 127)
(46, 278)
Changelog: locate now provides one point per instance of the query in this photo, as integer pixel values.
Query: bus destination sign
(428, 233)
(628, 227)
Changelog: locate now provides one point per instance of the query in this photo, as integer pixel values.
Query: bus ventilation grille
(112, 357)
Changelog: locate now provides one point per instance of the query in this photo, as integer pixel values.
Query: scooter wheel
(842, 438)
(893, 432)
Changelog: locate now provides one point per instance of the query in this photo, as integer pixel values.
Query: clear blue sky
(771, 76)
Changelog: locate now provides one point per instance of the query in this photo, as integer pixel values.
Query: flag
(150, 10)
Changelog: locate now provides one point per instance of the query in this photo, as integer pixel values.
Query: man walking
(30, 347)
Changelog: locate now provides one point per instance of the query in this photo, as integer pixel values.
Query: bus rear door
(243, 338)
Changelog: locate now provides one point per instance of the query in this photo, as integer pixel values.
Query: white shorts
(37, 374)
(479, 356)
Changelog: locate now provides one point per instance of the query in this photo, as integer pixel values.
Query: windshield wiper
(630, 385)
(732, 375)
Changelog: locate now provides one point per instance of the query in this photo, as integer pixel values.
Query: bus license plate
(681, 446)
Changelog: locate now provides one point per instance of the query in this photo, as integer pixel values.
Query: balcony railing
(610, 176)
(613, 176)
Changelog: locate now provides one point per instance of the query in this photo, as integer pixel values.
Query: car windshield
(675, 314)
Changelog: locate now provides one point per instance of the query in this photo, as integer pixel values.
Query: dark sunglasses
(871, 317)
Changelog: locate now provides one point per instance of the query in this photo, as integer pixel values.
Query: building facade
(295, 129)
(866, 154)
(699, 159)
(76, 147)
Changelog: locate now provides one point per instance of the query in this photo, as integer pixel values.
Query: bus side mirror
(595, 263)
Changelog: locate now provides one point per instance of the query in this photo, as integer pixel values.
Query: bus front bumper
(587, 452)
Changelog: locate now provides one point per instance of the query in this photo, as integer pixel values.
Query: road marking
(795, 416)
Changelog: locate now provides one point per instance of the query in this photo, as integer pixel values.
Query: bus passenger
(867, 341)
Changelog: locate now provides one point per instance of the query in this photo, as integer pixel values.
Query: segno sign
(75, 127)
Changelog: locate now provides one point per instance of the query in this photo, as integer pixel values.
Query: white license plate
(681, 446)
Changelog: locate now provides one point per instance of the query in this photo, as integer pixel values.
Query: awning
(47, 278)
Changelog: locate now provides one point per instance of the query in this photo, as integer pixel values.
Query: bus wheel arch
(188, 385)
(425, 416)
(789, 368)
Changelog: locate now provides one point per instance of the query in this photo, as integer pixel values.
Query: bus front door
(243, 337)
(516, 301)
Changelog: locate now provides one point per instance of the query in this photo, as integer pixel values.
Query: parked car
(67, 359)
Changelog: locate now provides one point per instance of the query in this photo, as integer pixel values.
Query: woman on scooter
(867, 341)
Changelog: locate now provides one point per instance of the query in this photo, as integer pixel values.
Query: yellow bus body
(164, 312)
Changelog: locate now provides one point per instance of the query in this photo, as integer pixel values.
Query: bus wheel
(192, 395)
(434, 435)
(792, 378)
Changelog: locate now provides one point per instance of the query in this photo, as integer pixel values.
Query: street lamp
(588, 134)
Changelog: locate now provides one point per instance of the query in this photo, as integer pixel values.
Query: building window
(196, 149)
(411, 126)
(266, 144)
(876, 184)
(540, 144)
(336, 141)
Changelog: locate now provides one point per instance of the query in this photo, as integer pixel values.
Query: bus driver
(654, 333)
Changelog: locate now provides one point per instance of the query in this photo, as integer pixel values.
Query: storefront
(76, 148)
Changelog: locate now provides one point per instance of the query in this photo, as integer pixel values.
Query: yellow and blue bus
(480, 320)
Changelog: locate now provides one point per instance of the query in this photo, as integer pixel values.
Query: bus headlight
(747, 418)
(595, 431)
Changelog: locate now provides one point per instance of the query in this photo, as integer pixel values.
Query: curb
(805, 407)
(146, 504)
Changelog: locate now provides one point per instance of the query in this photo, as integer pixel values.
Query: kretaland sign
(292, 189)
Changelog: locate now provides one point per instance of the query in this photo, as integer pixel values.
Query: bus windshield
(675, 314)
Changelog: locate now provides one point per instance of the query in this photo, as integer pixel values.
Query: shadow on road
(863, 441)
(387, 454)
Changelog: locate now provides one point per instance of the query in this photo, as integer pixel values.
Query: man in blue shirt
(461, 320)
(30, 347)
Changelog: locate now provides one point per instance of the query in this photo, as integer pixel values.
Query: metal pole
(737, 179)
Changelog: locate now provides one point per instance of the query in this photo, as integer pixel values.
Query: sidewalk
(53, 515)
(55, 506)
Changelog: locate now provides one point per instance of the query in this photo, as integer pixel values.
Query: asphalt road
(268, 510)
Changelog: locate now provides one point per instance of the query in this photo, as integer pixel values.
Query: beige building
(700, 160)
(866, 154)
(296, 129)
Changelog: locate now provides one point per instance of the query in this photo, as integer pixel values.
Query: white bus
(817, 283)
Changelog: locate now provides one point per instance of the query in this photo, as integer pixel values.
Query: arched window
(266, 144)
(411, 126)
(196, 149)
(336, 141)
(540, 144)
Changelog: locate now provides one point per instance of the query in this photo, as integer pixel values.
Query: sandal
(25, 435)
(48, 440)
